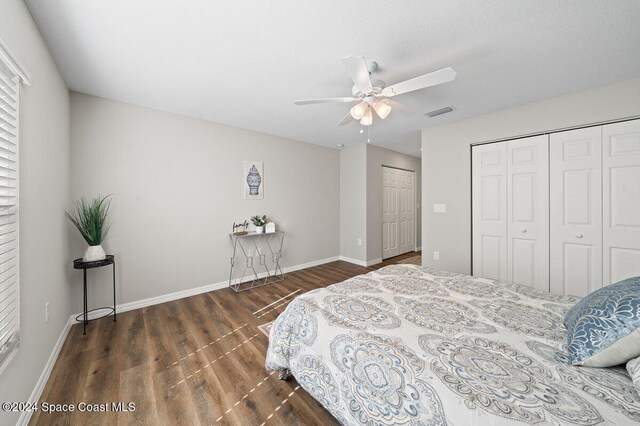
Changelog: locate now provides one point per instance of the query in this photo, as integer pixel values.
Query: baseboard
(418, 248)
(360, 262)
(204, 289)
(46, 372)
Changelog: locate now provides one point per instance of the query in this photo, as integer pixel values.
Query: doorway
(398, 212)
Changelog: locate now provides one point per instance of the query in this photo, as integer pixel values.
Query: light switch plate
(439, 208)
(436, 255)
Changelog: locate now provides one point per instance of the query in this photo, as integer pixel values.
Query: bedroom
(184, 116)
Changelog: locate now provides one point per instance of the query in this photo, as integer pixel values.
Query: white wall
(446, 159)
(376, 158)
(177, 186)
(353, 202)
(44, 181)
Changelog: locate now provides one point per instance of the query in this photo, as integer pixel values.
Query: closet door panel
(575, 211)
(489, 211)
(621, 201)
(528, 212)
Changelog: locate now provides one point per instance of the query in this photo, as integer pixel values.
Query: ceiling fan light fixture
(382, 108)
(367, 117)
(358, 110)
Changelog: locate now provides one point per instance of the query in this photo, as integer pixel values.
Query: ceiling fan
(373, 95)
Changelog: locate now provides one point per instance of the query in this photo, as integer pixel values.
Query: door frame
(415, 209)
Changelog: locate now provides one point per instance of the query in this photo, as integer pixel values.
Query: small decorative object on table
(90, 217)
(270, 228)
(259, 222)
(242, 225)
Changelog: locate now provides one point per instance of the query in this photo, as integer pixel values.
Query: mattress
(413, 345)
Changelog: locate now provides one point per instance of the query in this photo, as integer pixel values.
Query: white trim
(204, 289)
(44, 377)
(359, 262)
(8, 57)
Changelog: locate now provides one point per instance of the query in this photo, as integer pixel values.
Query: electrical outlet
(439, 208)
(359, 241)
(46, 312)
(250, 252)
(436, 255)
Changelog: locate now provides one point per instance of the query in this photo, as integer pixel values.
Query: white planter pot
(94, 253)
(259, 229)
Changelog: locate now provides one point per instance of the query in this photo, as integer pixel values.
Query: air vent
(439, 111)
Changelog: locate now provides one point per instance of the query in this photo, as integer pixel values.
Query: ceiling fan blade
(444, 75)
(401, 109)
(326, 100)
(346, 119)
(357, 69)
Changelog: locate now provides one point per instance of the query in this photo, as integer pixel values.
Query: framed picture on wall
(253, 180)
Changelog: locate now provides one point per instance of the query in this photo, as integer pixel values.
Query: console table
(80, 264)
(247, 274)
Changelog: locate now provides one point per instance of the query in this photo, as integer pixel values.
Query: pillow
(633, 367)
(603, 328)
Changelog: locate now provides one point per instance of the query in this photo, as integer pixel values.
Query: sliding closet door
(528, 212)
(621, 200)
(489, 166)
(576, 211)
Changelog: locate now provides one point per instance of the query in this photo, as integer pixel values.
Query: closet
(511, 211)
(559, 212)
(398, 213)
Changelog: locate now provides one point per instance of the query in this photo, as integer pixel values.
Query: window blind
(9, 269)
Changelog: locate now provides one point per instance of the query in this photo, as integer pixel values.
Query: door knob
(524, 231)
(578, 235)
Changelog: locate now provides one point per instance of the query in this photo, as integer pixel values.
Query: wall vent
(439, 111)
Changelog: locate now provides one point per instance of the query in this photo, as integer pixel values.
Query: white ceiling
(243, 63)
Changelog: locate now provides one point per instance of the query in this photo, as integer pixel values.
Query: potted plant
(90, 217)
(259, 222)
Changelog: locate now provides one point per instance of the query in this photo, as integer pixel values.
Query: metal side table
(80, 264)
(265, 272)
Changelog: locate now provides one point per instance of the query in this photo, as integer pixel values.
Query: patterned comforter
(412, 345)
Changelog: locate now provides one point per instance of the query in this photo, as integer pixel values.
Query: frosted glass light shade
(367, 118)
(382, 108)
(358, 110)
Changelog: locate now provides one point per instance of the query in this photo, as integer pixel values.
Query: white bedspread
(411, 345)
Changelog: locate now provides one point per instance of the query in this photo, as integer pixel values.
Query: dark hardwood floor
(198, 360)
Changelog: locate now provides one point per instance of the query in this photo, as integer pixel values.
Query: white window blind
(9, 269)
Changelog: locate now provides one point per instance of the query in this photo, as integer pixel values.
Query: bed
(412, 345)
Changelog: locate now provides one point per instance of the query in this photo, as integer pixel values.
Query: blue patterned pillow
(603, 329)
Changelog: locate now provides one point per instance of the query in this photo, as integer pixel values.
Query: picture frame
(253, 180)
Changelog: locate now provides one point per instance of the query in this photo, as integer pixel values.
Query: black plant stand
(80, 264)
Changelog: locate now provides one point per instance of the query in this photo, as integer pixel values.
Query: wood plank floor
(198, 360)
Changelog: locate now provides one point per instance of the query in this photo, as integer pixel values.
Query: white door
(528, 212)
(621, 201)
(398, 212)
(576, 211)
(390, 215)
(489, 170)
(407, 213)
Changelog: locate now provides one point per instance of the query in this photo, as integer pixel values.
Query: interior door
(398, 212)
(576, 211)
(621, 201)
(390, 215)
(489, 189)
(406, 210)
(528, 212)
